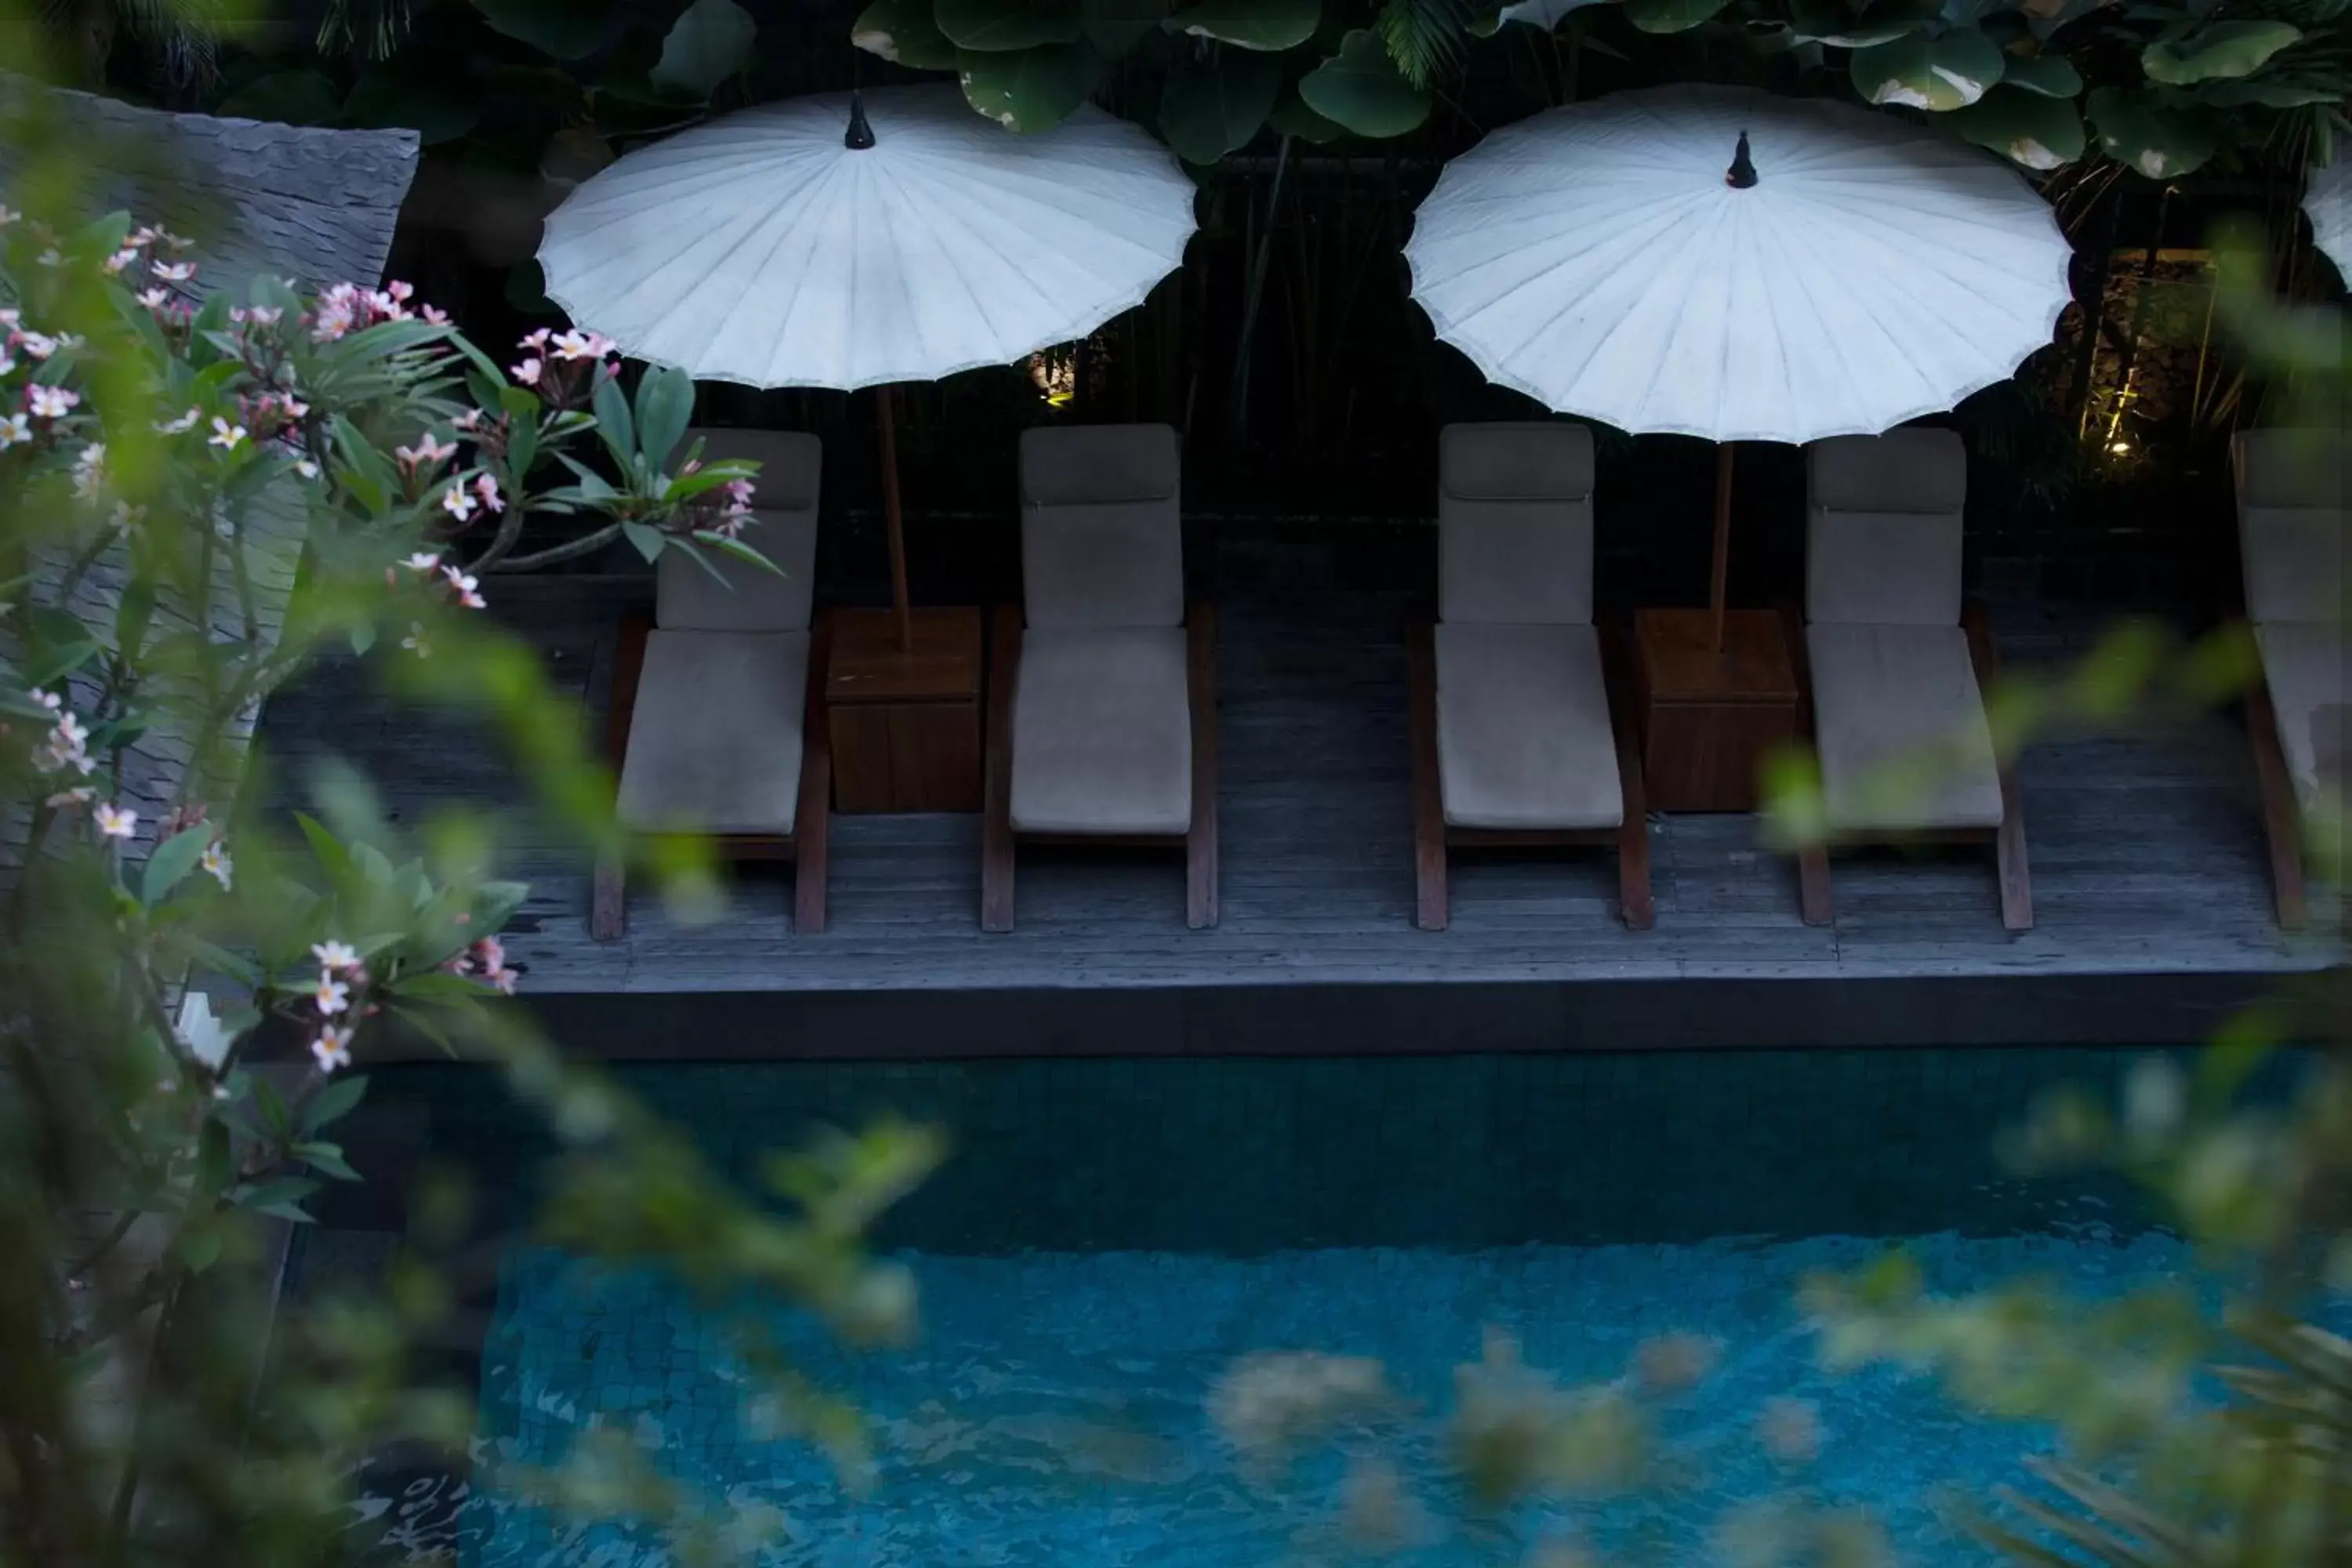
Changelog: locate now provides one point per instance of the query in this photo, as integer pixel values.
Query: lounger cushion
(784, 529)
(1901, 729)
(1884, 526)
(1102, 732)
(715, 737)
(1523, 734)
(1515, 523)
(1102, 540)
(2302, 667)
(2292, 518)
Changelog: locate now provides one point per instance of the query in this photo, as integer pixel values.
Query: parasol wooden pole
(888, 409)
(1722, 539)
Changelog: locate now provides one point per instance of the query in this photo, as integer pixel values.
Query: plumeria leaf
(362, 636)
(425, 1026)
(665, 408)
(272, 1108)
(168, 864)
(646, 537)
(200, 1248)
(58, 661)
(213, 1160)
(337, 1100)
(903, 32)
(728, 546)
(325, 848)
(494, 902)
(327, 1159)
(612, 422)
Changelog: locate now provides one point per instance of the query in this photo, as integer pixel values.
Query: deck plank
(2146, 851)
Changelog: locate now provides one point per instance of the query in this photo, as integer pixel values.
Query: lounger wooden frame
(999, 840)
(1431, 837)
(2282, 814)
(805, 846)
(2014, 878)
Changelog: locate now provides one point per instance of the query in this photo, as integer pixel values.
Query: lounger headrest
(1910, 470)
(790, 462)
(1097, 465)
(1517, 460)
(2291, 469)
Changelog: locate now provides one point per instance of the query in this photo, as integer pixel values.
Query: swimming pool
(1112, 1235)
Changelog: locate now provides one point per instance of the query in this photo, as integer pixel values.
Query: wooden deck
(2147, 855)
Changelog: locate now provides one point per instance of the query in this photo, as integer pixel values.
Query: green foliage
(562, 29)
(987, 26)
(1255, 25)
(1029, 89)
(2035, 131)
(1671, 16)
(1205, 114)
(709, 42)
(1360, 90)
(2150, 134)
(2230, 50)
(1936, 74)
(905, 32)
(1426, 38)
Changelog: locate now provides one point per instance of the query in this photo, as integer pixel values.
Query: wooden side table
(1709, 717)
(905, 722)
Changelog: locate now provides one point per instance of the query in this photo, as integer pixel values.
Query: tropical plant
(197, 497)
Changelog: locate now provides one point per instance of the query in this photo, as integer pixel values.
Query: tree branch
(587, 544)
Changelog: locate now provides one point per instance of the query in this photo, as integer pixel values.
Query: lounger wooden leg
(996, 852)
(1813, 885)
(1430, 912)
(813, 816)
(1634, 899)
(2009, 840)
(1201, 839)
(608, 902)
(2282, 824)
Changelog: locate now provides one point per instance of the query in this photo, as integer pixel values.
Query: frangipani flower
(332, 1048)
(330, 996)
(51, 402)
(224, 434)
(114, 821)
(335, 956)
(214, 862)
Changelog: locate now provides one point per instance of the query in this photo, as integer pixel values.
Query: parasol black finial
(860, 136)
(1742, 172)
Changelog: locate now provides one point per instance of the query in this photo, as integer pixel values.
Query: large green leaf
(1209, 112)
(1116, 26)
(903, 31)
(1934, 74)
(994, 25)
(288, 98)
(2227, 50)
(1271, 25)
(567, 29)
(710, 41)
(2157, 139)
(2052, 76)
(1831, 23)
(2295, 91)
(2029, 129)
(1360, 90)
(1291, 117)
(665, 408)
(1029, 89)
(1671, 16)
(384, 97)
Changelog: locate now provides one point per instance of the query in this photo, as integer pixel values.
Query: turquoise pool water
(1112, 1236)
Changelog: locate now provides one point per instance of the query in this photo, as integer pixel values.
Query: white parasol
(1722, 263)
(2328, 201)
(850, 240)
